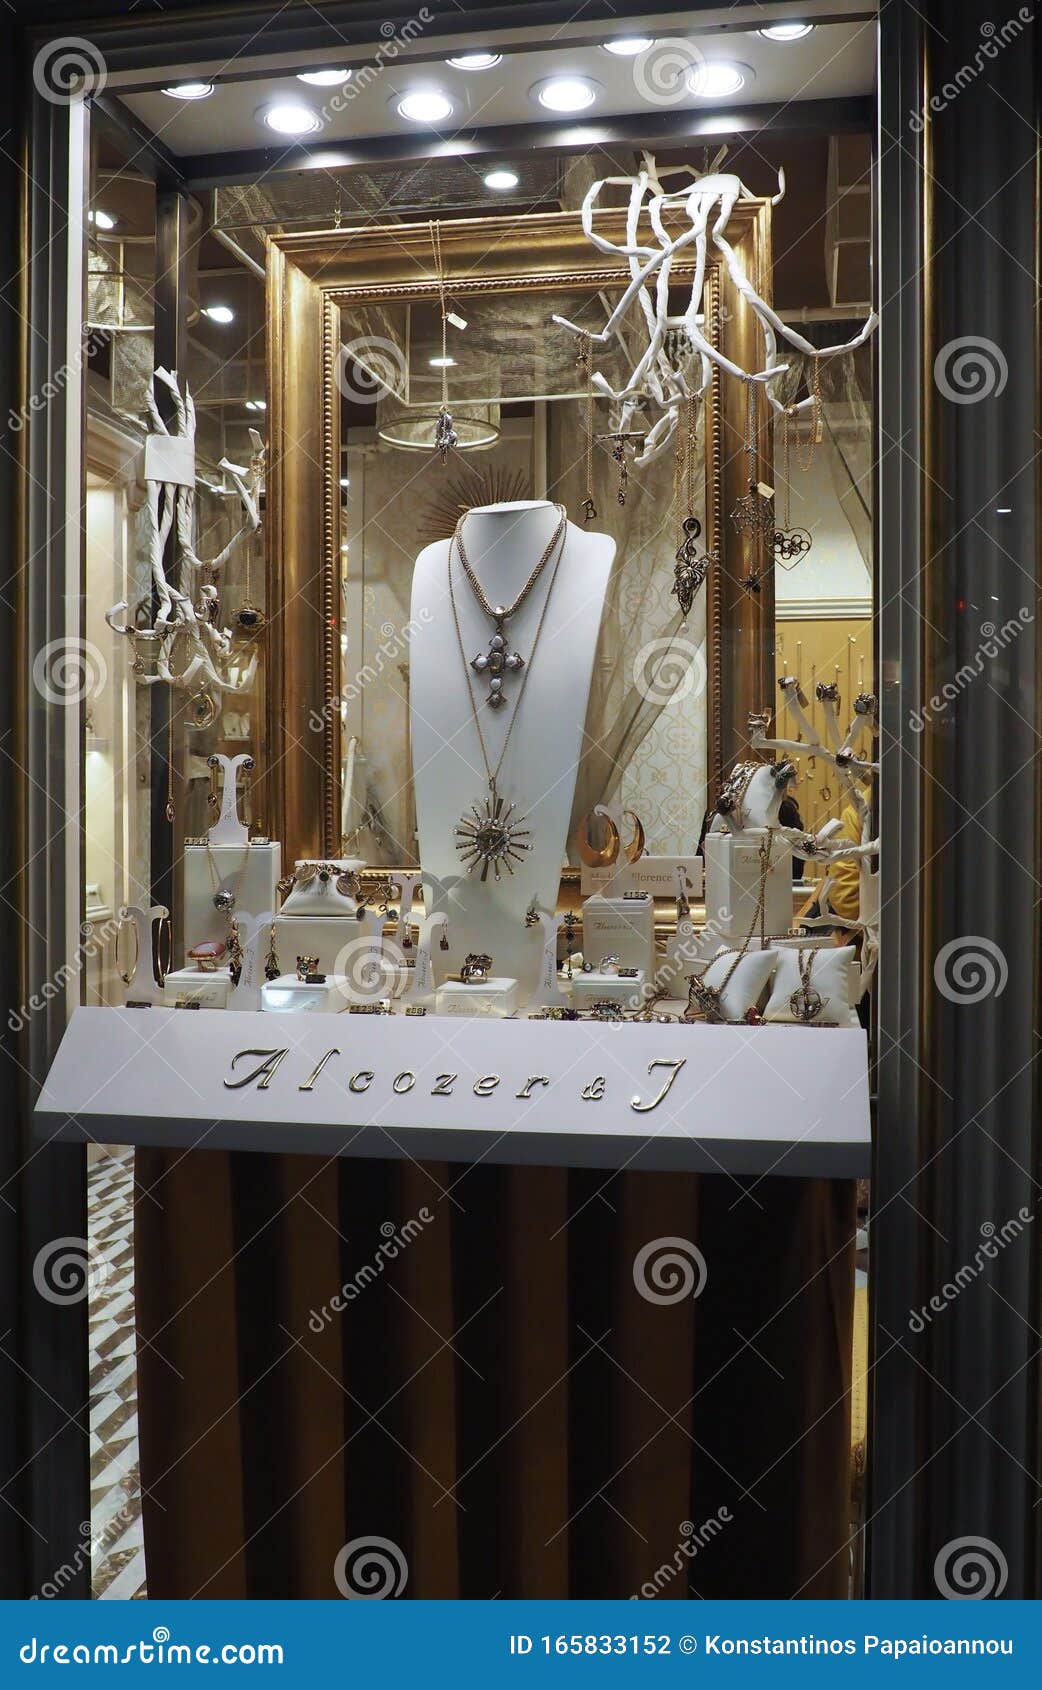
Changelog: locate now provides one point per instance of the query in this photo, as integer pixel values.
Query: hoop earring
(635, 849)
(127, 975)
(597, 856)
(163, 966)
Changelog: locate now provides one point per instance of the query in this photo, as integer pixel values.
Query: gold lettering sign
(268, 1068)
(674, 1069)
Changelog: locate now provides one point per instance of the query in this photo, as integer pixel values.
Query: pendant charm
(495, 663)
(589, 510)
(703, 1000)
(691, 569)
(248, 620)
(805, 1003)
(789, 545)
(753, 513)
(445, 436)
(492, 837)
(224, 900)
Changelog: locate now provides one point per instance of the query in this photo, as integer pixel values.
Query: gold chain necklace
(493, 834)
(708, 1000)
(497, 661)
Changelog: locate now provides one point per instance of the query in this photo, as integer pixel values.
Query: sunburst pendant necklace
(491, 836)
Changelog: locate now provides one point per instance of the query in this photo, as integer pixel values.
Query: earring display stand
(142, 989)
(228, 856)
(548, 993)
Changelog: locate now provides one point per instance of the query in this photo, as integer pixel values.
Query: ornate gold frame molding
(310, 275)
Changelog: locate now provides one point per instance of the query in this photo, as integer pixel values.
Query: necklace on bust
(492, 835)
(497, 662)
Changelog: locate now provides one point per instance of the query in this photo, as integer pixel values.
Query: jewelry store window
(479, 575)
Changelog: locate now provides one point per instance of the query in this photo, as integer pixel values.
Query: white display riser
(742, 1100)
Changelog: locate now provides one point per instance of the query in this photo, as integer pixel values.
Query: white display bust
(503, 543)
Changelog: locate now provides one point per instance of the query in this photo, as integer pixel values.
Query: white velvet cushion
(321, 897)
(746, 985)
(830, 977)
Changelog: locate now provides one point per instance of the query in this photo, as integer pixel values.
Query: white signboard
(779, 1100)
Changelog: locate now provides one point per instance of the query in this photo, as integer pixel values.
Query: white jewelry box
(733, 870)
(251, 872)
(183, 986)
(588, 989)
(621, 926)
(494, 996)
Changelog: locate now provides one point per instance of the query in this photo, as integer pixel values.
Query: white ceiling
(836, 60)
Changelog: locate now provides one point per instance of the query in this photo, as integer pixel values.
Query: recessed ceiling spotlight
(425, 105)
(101, 219)
(475, 61)
(219, 313)
(628, 46)
(716, 79)
(188, 90)
(439, 363)
(501, 181)
(565, 93)
(786, 31)
(290, 117)
(324, 78)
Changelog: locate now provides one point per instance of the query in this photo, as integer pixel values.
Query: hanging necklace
(497, 661)
(790, 544)
(806, 1002)
(225, 895)
(493, 834)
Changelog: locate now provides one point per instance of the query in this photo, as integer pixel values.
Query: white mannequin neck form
(503, 544)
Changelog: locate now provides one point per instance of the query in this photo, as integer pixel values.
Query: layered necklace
(497, 662)
(492, 835)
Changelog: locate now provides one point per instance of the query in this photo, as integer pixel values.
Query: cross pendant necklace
(497, 661)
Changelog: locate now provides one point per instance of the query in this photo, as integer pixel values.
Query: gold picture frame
(310, 275)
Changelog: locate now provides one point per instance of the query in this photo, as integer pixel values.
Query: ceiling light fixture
(440, 363)
(628, 46)
(717, 79)
(189, 90)
(101, 219)
(219, 313)
(324, 78)
(565, 93)
(425, 105)
(256, 404)
(475, 61)
(290, 117)
(786, 31)
(501, 181)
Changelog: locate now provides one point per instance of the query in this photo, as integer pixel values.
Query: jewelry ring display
(609, 963)
(306, 965)
(475, 968)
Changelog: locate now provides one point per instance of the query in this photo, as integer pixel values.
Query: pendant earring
(272, 970)
(597, 856)
(127, 974)
(443, 942)
(247, 792)
(213, 796)
(635, 849)
(584, 362)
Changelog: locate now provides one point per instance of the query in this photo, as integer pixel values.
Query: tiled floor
(118, 1553)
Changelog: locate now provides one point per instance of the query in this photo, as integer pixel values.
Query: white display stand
(743, 1100)
(255, 870)
(622, 926)
(588, 989)
(495, 996)
(503, 543)
(732, 879)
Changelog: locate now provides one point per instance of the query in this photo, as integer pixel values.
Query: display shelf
(739, 1100)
